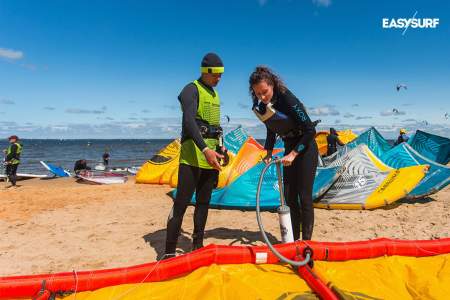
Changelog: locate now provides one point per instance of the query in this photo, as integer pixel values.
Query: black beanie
(212, 60)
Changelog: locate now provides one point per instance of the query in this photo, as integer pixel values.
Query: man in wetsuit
(332, 142)
(80, 165)
(199, 162)
(402, 138)
(12, 159)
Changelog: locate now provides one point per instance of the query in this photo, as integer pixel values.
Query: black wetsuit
(299, 177)
(80, 165)
(402, 138)
(11, 169)
(332, 142)
(105, 158)
(190, 178)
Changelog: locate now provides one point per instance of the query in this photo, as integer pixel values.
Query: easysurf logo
(404, 23)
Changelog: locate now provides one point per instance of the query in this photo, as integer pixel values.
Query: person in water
(199, 158)
(12, 159)
(332, 142)
(284, 115)
(402, 138)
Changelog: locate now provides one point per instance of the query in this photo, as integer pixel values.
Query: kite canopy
(367, 183)
(162, 168)
(241, 193)
(373, 139)
(437, 177)
(434, 147)
(345, 136)
(375, 269)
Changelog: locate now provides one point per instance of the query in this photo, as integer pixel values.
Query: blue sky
(105, 69)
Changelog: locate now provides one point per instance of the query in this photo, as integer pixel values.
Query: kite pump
(284, 216)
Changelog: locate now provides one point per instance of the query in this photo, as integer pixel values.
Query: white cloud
(348, 115)
(392, 112)
(326, 110)
(171, 128)
(171, 107)
(363, 117)
(243, 105)
(83, 111)
(11, 54)
(7, 101)
(322, 3)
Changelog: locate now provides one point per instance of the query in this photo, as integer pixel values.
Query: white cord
(143, 280)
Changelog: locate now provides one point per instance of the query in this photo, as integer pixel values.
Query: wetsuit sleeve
(13, 153)
(297, 111)
(270, 139)
(189, 105)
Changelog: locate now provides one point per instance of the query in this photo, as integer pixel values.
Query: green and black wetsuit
(199, 102)
(13, 160)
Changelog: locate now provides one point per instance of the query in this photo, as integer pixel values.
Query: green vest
(208, 110)
(15, 161)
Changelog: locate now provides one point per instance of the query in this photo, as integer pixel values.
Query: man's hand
(268, 158)
(211, 157)
(288, 159)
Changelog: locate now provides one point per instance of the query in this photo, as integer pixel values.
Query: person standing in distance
(199, 160)
(12, 159)
(332, 142)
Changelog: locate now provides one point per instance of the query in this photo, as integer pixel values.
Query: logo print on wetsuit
(300, 112)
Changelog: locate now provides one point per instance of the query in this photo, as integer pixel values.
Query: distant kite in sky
(395, 111)
(446, 116)
(401, 85)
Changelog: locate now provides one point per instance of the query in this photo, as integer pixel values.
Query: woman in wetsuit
(284, 115)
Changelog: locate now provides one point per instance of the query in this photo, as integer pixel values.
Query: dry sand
(60, 225)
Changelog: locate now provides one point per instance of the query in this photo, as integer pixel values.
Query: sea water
(64, 153)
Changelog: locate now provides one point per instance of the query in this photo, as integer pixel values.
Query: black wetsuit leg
(291, 196)
(298, 184)
(207, 182)
(11, 171)
(190, 179)
(187, 182)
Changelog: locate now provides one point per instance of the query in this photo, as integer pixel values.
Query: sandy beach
(60, 225)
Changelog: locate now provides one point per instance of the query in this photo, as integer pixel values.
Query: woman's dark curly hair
(264, 73)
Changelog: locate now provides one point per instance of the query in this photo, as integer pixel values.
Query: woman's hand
(268, 158)
(288, 159)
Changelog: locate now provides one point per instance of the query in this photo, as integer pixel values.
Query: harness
(276, 121)
(209, 131)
